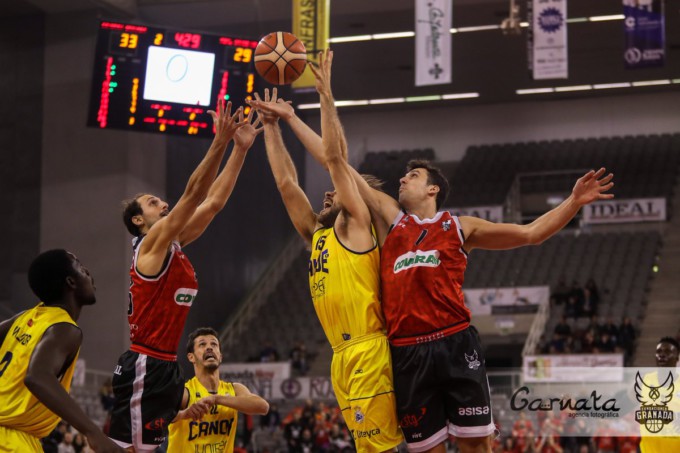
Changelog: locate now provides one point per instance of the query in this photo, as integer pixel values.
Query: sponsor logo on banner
(555, 368)
(490, 213)
(311, 26)
(548, 39)
(504, 301)
(644, 30)
(433, 42)
(624, 211)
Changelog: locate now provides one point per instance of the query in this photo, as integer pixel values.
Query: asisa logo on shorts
(479, 410)
(427, 258)
(185, 296)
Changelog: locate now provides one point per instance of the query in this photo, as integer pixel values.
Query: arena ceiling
(486, 62)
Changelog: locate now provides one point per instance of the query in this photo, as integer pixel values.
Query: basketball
(280, 58)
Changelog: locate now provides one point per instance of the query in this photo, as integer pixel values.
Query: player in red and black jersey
(440, 376)
(147, 382)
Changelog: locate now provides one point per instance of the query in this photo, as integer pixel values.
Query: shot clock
(163, 80)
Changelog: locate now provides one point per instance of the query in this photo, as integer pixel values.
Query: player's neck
(423, 212)
(208, 379)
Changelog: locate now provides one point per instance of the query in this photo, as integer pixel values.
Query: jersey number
(4, 363)
(213, 409)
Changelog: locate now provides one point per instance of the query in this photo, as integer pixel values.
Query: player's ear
(433, 189)
(138, 220)
(191, 357)
(71, 282)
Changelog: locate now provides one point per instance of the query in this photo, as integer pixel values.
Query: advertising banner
(503, 301)
(644, 27)
(625, 211)
(433, 42)
(548, 39)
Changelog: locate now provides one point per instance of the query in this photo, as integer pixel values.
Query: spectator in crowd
(307, 442)
(594, 327)
(607, 343)
(556, 345)
(594, 290)
(627, 336)
(66, 445)
(293, 433)
(340, 442)
(298, 358)
(577, 292)
(563, 328)
(561, 292)
(588, 304)
(106, 395)
(272, 419)
(572, 309)
(610, 328)
(268, 353)
(79, 444)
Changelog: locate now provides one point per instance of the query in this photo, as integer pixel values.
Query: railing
(537, 328)
(247, 309)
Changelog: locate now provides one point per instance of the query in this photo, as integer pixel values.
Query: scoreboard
(162, 80)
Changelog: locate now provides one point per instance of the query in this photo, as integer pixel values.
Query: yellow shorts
(14, 441)
(361, 373)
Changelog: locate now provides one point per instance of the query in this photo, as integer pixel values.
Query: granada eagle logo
(654, 412)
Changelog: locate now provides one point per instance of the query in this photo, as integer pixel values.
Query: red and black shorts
(442, 389)
(148, 394)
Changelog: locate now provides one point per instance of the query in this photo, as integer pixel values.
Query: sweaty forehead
(146, 198)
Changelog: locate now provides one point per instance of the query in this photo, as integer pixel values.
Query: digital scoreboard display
(161, 80)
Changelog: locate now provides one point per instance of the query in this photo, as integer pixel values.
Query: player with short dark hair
(38, 352)
(147, 382)
(343, 275)
(216, 430)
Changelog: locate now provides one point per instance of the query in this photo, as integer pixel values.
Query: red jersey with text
(159, 305)
(422, 268)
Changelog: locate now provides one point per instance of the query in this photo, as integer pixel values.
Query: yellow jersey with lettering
(658, 442)
(19, 408)
(215, 432)
(345, 287)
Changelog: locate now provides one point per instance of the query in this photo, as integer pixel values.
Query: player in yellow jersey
(343, 273)
(667, 354)
(38, 356)
(216, 430)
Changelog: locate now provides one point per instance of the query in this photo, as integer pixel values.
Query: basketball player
(147, 382)
(666, 356)
(216, 430)
(440, 378)
(343, 278)
(38, 356)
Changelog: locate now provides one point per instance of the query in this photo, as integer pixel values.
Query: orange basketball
(280, 58)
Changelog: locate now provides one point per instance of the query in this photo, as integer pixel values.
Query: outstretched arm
(221, 189)
(162, 233)
(382, 207)
(296, 202)
(54, 353)
(500, 236)
(353, 225)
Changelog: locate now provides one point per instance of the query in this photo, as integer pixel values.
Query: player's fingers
(606, 179)
(228, 109)
(275, 93)
(257, 118)
(257, 97)
(266, 95)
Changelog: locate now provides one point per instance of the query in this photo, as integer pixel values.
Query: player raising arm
(148, 383)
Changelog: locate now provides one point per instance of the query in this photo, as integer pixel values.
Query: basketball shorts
(441, 389)
(361, 374)
(15, 441)
(148, 394)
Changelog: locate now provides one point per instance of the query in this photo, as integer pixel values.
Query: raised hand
(322, 73)
(245, 135)
(225, 123)
(272, 107)
(592, 187)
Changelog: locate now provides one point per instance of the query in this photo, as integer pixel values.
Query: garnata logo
(185, 296)
(427, 258)
(520, 401)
